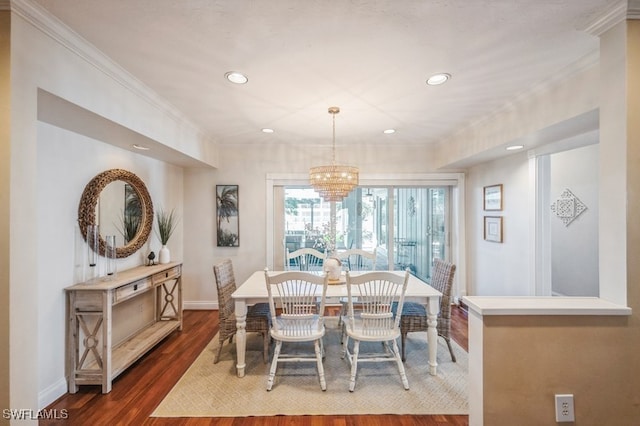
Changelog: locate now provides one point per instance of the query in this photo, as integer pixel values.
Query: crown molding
(626, 9)
(633, 12)
(608, 20)
(55, 29)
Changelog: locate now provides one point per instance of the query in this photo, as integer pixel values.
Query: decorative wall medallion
(568, 207)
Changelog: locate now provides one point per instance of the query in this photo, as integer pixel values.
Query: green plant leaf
(167, 223)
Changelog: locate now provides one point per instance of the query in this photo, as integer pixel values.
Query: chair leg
(343, 311)
(266, 338)
(318, 348)
(354, 365)
(403, 374)
(345, 342)
(448, 340)
(274, 364)
(217, 357)
(404, 345)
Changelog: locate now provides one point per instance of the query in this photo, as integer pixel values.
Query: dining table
(254, 290)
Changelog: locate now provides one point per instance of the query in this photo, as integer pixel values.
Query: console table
(92, 308)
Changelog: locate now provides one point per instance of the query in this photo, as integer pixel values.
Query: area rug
(214, 390)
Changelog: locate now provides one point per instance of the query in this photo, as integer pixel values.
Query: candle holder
(93, 252)
(110, 257)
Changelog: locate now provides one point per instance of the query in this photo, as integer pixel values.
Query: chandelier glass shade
(334, 182)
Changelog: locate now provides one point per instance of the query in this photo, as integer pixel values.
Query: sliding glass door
(407, 225)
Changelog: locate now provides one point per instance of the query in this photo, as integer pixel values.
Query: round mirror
(117, 201)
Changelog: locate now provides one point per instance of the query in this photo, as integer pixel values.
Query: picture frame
(227, 216)
(492, 197)
(493, 229)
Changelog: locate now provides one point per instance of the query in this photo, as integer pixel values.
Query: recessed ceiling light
(267, 130)
(389, 131)
(236, 77)
(140, 147)
(437, 79)
(514, 147)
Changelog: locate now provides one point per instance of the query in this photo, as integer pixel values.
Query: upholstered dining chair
(258, 315)
(414, 315)
(298, 319)
(305, 259)
(377, 293)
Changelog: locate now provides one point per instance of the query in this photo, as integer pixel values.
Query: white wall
(574, 248)
(499, 268)
(66, 163)
(507, 269)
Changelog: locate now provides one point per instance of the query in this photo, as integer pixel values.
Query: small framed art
(492, 197)
(227, 216)
(493, 229)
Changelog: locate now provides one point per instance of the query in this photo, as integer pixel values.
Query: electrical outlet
(564, 408)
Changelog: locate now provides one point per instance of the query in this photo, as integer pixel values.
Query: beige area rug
(214, 390)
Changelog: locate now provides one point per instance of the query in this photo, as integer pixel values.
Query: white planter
(164, 255)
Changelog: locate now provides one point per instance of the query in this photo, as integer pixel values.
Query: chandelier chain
(333, 182)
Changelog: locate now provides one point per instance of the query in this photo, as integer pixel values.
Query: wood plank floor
(137, 392)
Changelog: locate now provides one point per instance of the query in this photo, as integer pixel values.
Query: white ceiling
(369, 57)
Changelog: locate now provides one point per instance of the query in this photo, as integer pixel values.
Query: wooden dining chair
(355, 260)
(358, 259)
(414, 315)
(305, 259)
(376, 292)
(258, 315)
(298, 318)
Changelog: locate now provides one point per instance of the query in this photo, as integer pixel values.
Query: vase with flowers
(166, 225)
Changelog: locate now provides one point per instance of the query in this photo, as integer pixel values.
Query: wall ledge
(507, 305)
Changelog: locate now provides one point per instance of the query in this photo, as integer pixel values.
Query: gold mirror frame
(89, 202)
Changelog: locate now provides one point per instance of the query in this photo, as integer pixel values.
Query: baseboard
(53, 392)
(200, 306)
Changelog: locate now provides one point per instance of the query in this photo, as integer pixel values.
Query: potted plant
(166, 225)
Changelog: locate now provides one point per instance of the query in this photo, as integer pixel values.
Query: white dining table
(254, 290)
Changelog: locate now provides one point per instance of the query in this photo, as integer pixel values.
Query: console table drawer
(88, 301)
(165, 275)
(129, 290)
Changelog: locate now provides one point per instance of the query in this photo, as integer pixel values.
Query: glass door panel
(419, 229)
(365, 225)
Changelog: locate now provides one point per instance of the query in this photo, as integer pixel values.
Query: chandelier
(333, 182)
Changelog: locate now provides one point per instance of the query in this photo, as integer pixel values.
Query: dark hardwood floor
(137, 392)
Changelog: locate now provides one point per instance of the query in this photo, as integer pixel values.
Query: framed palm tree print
(227, 216)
